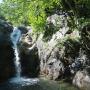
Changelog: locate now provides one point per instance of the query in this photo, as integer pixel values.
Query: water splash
(24, 81)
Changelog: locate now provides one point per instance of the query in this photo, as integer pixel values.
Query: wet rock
(30, 62)
(7, 69)
(6, 52)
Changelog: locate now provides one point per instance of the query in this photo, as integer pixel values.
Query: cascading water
(15, 38)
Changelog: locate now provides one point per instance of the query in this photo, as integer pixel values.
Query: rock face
(30, 62)
(29, 59)
(67, 52)
(55, 53)
(6, 52)
(50, 64)
(58, 53)
(6, 61)
(62, 54)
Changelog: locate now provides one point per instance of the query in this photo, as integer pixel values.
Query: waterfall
(17, 63)
(15, 37)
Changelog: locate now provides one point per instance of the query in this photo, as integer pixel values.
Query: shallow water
(17, 86)
(40, 85)
(20, 87)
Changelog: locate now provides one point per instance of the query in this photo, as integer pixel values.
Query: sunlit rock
(82, 80)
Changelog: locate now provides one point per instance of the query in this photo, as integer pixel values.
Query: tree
(35, 12)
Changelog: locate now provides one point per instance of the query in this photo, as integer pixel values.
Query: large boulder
(6, 52)
(61, 50)
(29, 59)
(7, 69)
(82, 79)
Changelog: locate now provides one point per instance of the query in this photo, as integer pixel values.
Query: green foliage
(30, 11)
(35, 12)
(83, 8)
(49, 31)
(13, 11)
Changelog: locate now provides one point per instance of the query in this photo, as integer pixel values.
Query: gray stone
(82, 80)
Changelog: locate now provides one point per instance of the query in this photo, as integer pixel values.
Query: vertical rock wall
(6, 52)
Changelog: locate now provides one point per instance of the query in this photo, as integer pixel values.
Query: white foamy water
(23, 81)
(17, 62)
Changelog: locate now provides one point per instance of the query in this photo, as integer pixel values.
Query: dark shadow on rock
(30, 62)
(7, 69)
(50, 29)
